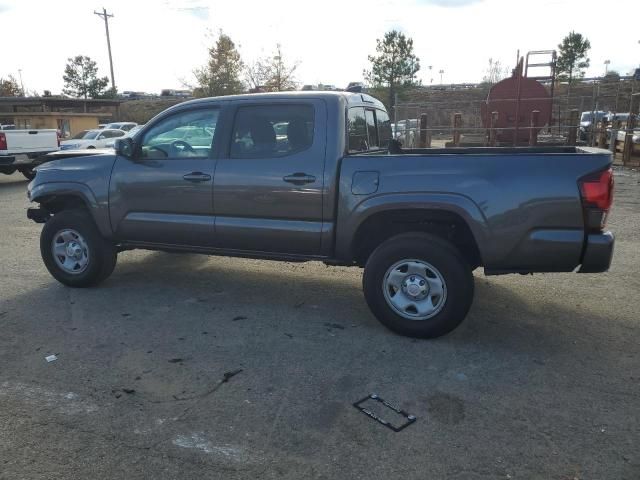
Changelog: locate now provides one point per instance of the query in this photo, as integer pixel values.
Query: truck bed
(522, 204)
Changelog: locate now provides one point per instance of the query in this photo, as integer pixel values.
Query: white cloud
(156, 44)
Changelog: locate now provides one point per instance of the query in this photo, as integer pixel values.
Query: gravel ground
(541, 381)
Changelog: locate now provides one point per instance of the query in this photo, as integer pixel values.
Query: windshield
(80, 135)
(588, 116)
(91, 134)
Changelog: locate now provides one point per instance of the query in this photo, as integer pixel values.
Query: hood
(76, 161)
(87, 152)
(61, 172)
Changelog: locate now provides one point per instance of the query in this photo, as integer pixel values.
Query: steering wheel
(181, 143)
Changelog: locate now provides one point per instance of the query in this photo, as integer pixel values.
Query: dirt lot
(541, 381)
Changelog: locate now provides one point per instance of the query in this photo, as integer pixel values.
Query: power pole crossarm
(105, 16)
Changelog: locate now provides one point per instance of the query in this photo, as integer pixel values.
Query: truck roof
(351, 98)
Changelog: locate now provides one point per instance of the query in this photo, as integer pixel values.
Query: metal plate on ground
(408, 419)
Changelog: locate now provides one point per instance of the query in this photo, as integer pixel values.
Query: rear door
(163, 195)
(268, 184)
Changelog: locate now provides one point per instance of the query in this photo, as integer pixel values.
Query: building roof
(57, 102)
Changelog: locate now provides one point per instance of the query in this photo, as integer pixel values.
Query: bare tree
(494, 72)
(272, 73)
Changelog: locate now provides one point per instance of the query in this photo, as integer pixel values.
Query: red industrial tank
(516, 97)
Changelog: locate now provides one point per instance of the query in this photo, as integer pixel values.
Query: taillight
(596, 190)
(3, 141)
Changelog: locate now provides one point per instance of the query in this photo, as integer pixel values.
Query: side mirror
(124, 147)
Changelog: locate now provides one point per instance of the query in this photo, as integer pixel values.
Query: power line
(105, 16)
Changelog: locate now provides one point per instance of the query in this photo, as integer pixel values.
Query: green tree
(9, 87)
(395, 65)
(81, 78)
(272, 73)
(572, 58)
(221, 75)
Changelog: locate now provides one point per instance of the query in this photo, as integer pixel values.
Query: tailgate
(31, 141)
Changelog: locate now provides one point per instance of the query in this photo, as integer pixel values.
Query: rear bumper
(597, 253)
(20, 160)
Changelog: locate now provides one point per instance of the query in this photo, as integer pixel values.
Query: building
(67, 115)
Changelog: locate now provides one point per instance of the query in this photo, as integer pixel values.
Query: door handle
(299, 178)
(197, 177)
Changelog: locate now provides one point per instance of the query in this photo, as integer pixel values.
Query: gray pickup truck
(315, 176)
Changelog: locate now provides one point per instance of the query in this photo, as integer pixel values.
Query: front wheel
(73, 250)
(418, 285)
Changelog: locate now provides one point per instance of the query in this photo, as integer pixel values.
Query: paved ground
(541, 381)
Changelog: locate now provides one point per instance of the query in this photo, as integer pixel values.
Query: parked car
(126, 126)
(8, 126)
(586, 121)
(406, 132)
(419, 221)
(130, 133)
(22, 150)
(88, 139)
(635, 138)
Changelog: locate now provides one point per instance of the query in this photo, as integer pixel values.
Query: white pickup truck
(23, 150)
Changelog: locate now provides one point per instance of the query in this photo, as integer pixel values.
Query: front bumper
(38, 215)
(598, 253)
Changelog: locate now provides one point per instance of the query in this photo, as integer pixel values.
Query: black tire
(442, 255)
(91, 147)
(29, 173)
(102, 254)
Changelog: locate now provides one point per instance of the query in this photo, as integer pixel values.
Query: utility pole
(104, 15)
(21, 84)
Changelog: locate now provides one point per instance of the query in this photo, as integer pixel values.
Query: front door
(163, 195)
(268, 184)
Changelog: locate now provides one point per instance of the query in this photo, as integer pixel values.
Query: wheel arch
(56, 197)
(452, 217)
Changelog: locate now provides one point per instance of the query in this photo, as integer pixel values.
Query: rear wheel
(418, 285)
(73, 250)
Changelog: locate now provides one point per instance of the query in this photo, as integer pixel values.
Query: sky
(157, 44)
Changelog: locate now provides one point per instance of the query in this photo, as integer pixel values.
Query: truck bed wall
(524, 209)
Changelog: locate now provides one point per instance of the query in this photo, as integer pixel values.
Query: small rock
(175, 360)
(334, 325)
(128, 391)
(239, 317)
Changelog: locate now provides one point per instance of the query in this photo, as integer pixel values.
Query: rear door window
(266, 131)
